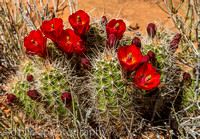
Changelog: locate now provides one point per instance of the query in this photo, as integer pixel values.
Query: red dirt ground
(137, 13)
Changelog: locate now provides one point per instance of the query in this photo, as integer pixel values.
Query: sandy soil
(137, 13)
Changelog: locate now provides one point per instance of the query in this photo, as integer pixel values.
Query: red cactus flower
(146, 77)
(116, 27)
(33, 94)
(129, 57)
(35, 43)
(66, 98)
(70, 42)
(52, 28)
(79, 48)
(151, 30)
(111, 41)
(103, 20)
(80, 22)
(85, 63)
(137, 42)
(11, 98)
(29, 77)
(144, 59)
(66, 40)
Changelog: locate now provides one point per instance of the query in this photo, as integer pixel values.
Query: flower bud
(136, 41)
(103, 20)
(174, 45)
(111, 41)
(85, 63)
(152, 56)
(11, 98)
(151, 30)
(29, 77)
(177, 36)
(66, 98)
(33, 94)
(186, 76)
(194, 70)
(144, 59)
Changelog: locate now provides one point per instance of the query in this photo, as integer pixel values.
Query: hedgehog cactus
(50, 81)
(110, 89)
(119, 79)
(167, 65)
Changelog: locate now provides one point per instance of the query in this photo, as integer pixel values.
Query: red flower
(35, 43)
(66, 40)
(80, 22)
(116, 27)
(70, 42)
(79, 48)
(146, 77)
(129, 57)
(52, 28)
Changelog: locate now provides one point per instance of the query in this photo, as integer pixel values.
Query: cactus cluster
(39, 86)
(166, 61)
(120, 78)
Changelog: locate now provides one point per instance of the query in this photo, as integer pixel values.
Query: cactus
(44, 90)
(96, 37)
(111, 95)
(50, 81)
(170, 70)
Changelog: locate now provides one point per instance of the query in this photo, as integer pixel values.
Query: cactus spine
(110, 89)
(50, 80)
